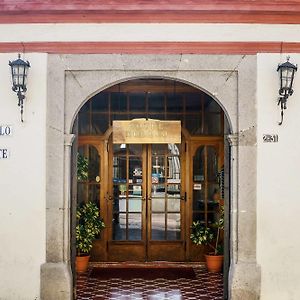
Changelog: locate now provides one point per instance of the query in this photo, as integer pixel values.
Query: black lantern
(286, 73)
(19, 70)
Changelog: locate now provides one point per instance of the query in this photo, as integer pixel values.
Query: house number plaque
(270, 138)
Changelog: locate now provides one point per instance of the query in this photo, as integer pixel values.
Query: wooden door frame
(190, 145)
(194, 143)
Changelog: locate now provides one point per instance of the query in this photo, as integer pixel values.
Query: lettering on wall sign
(142, 131)
(4, 153)
(5, 130)
(270, 138)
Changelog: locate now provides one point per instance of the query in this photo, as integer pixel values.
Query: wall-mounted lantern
(286, 72)
(19, 70)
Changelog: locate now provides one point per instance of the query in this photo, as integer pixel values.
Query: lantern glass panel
(286, 78)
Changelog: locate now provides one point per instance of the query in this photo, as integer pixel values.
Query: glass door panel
(165, 197)
(146, 203)
(205, 187)
(127, 193)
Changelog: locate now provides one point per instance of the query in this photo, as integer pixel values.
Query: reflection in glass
(173, 190)
(156, 102)
(174, 103)
(157, 190)
(211, 105)
(119, 117)
(174, 203)
(82, 192)
(211, 218)
(212, 164)
(158, 204)
(199, 217)
(135, 149)
(212, 124)
(137, 102)
(83, 123)
(119, 149)
(193, 124)
(193, 103)
(173, 169)
(158, 227)
(135, 169)
(99, 123)
(118, 102)
(135, 191)
(173, 225)
(134, 227)
(119, 227)
(159, 149)
(198, 165)
(94, 193)
(119, 169)
(213, 193)
(100, 102)
(158, 169)
(135, 205)
(94, 163)
(198, 199)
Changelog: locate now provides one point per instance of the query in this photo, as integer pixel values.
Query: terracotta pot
(82, 263)
(214, 263)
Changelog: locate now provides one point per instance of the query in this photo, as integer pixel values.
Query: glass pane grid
(199, 113)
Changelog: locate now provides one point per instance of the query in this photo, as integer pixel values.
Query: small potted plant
(210, 236)
(89, 226)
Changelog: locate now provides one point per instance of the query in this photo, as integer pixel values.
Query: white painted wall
(166, 32)
(278, 197)
(22, 183)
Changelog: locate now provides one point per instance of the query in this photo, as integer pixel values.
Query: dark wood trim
(162, 11)
(151, 47)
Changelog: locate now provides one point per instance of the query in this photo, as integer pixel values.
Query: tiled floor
(206, 286)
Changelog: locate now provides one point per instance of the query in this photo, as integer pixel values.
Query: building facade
(225, 53)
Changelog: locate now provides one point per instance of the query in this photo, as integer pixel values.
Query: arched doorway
(227, 79)
(150, 193)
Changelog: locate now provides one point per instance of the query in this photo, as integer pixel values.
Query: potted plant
(210, 236)
(89, 225)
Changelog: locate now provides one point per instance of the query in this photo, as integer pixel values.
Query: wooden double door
(149, 195)
(146, 202)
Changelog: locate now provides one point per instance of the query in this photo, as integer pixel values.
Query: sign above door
(146, 131)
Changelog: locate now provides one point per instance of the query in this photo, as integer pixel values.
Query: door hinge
(183, 197)
(185, 147)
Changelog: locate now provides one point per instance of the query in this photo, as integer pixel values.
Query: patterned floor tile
(206, 286)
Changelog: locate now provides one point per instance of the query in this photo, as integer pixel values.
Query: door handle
(143, 198)
(183, 197)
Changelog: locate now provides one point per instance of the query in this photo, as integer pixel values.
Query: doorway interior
(149, 194)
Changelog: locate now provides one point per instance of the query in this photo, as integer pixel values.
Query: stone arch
(73, 79)
(123, 80)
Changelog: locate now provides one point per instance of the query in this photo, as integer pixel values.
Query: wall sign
(270, 138)
(5, 130)
(4, 153)
(197, 186)
(142, 131)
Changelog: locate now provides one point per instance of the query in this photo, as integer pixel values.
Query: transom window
(154, 99)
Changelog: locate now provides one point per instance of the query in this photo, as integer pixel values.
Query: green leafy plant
(89, 225)
(82, 167)
(204, 235)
